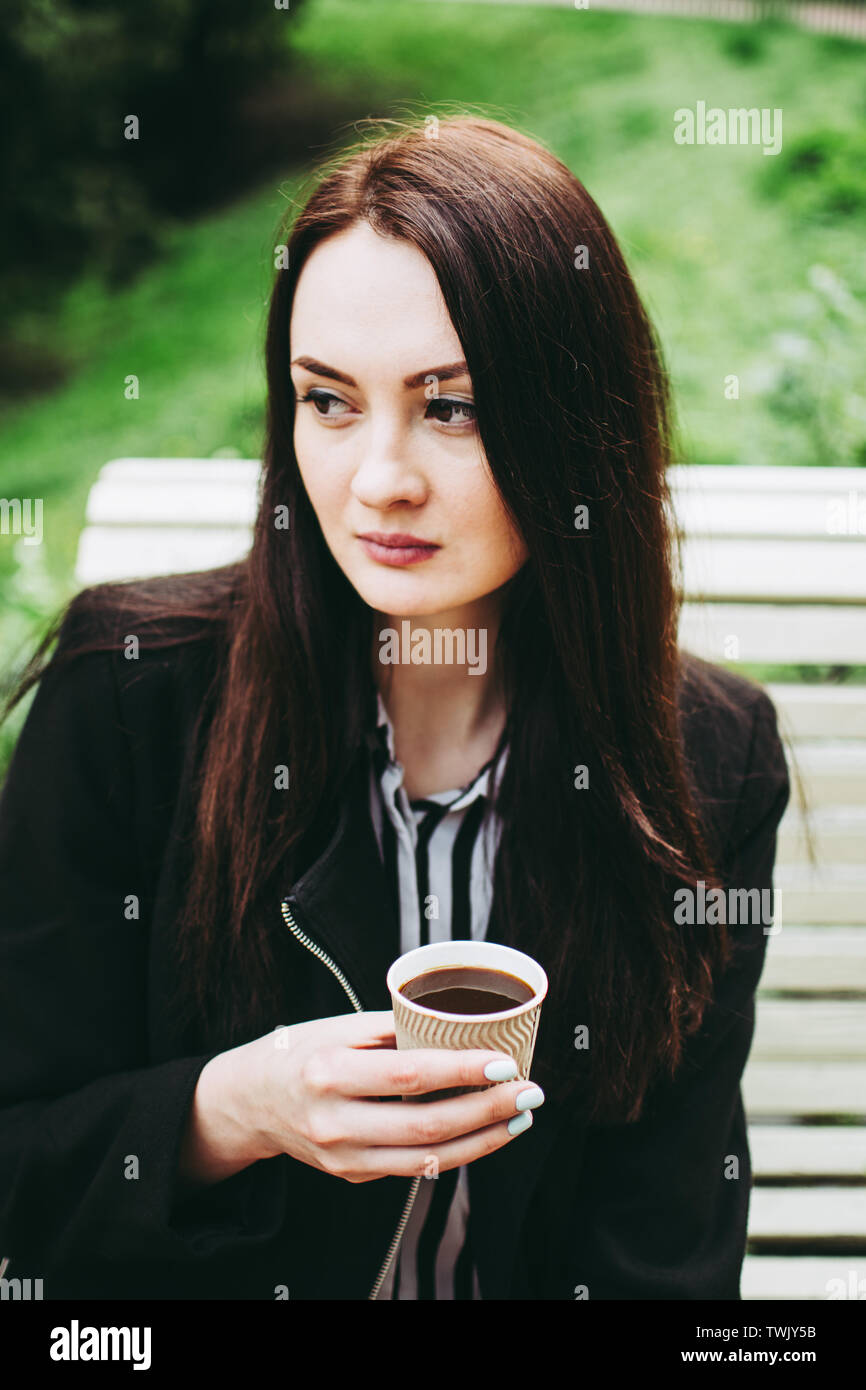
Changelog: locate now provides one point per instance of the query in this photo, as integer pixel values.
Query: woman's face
(388, 442)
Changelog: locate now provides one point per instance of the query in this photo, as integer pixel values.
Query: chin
(406, 607)
(392, 589)
(401, 600)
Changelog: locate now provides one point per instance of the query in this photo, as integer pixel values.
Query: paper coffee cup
(513, 1031)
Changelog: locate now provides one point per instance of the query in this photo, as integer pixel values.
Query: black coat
(94, 1073)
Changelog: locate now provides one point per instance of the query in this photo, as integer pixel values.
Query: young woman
(240, 794)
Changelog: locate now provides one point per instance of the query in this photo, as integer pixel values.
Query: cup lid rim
(538, 996)
(536, 1000)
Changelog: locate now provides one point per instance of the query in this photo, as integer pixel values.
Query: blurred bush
(813, 373)
(821, 174)
(31, 600)
(210, 82)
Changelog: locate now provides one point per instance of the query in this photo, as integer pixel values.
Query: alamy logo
(22, 516)
(737, 906)
(76, 1343)
(439, 646)
(18, 1290)
(739, 125)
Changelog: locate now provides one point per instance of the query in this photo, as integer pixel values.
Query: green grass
(190, 330)
(749, 265)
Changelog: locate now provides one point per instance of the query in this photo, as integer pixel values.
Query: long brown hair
(573, 410)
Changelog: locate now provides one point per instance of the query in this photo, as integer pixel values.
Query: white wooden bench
(774, 571)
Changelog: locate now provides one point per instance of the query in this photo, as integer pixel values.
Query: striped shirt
(438, 854)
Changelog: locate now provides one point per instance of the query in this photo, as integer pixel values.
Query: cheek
(495, 533)
(324, 486)
(509, 555)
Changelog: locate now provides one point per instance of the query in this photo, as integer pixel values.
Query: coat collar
(342, 900)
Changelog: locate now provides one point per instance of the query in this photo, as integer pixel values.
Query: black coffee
(467, 989)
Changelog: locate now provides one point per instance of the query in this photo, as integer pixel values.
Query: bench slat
(833, 893)
(838, 835)
(815, 958)
(812, 1030)
(807, 634)
(778, 479)
(833, 769)
(836, 514)
(820, 711)
(817, 1214)
(808, 1151)
(804, 1088)
(124, 470)
(192, 502)
(729, 569)
(107, 553)
(803, 1277)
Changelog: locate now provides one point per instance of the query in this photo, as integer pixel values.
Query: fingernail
(520, 1123)
(503, 1069)
(527, 1100)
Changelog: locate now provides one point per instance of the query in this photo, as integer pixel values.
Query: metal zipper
(317, 951)
(359, 1008)
(413, 1192)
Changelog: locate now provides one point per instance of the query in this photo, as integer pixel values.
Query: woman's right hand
(312, 1090)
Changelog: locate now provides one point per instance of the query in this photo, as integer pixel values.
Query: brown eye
(453, 412)
(318, 397)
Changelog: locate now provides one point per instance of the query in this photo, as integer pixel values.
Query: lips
(397, 539)
(397, 547)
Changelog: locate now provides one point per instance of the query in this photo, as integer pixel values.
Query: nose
(388, 472)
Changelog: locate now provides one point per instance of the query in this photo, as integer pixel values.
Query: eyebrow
(411, 383)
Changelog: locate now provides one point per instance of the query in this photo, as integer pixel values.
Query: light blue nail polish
(527, 1100)
(501, 1070)
(520, 1123)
